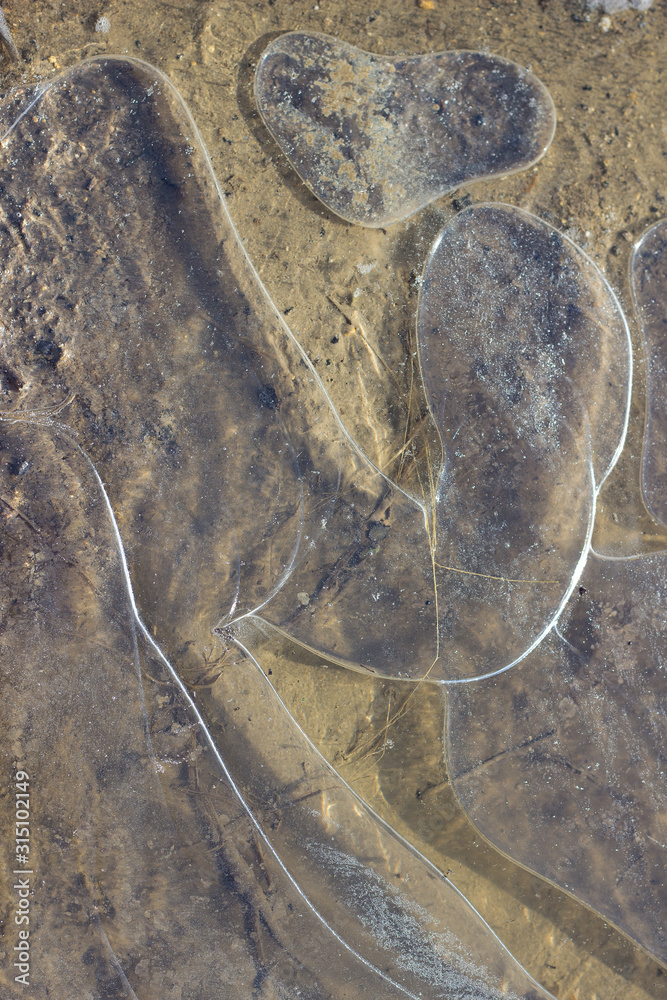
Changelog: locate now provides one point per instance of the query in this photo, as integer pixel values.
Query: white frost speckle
(614, 6)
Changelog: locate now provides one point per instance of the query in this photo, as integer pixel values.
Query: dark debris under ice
(376, 139)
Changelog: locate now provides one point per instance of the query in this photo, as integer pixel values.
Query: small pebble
(605, 24)
(103, 25)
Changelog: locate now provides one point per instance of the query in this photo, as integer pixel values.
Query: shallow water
(368, 314)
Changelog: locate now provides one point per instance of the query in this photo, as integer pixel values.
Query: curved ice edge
(162, 78)
(595, 488)
(631, 558)
(526, 71)
(426, 511)
(574, 580)
(435, 872)
(589, 260)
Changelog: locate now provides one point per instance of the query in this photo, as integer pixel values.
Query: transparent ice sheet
(649, 284)
(170, 463)
(526, 361)
(378, 138)
(560, 761)
(201, 406)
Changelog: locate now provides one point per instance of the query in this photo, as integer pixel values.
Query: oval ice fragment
(649, 285)
(525, 354)
(376, 139)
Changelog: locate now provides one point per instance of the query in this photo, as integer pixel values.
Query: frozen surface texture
(173, 477)
(649, 282)
(149, 872)
(526, 360)
(169, 461)
(561, 761)
(376, 139)
(215, 439)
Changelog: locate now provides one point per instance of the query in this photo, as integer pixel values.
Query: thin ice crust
(649, 285)
(376, 139)
(526, 360)
(163, 471)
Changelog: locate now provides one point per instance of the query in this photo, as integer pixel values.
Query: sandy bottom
(350, 295)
